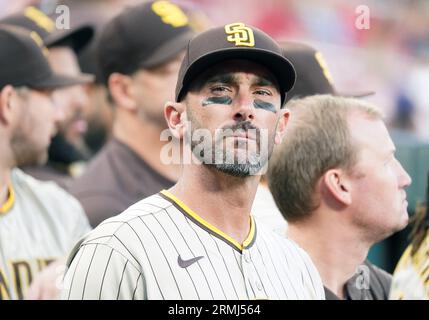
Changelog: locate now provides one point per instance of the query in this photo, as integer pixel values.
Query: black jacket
(370, 283)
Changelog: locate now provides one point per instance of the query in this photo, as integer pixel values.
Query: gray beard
(251, 166)
(242, 169)
(239, 170)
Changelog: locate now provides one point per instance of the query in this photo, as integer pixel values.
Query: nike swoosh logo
(186, 263)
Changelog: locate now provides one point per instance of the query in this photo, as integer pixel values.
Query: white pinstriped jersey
(265, 210)
(39, 223)
(160, 249)
(411, 277)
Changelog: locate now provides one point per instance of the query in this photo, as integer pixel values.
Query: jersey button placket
(246, 256)
(259, 285)
(247, 272)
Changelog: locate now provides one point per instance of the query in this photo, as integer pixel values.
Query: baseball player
(140, 72)
(411, 276)
(66, 150)
(198, 239)
(39, 222)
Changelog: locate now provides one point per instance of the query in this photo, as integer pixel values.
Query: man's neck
(144, 139)
(222, 200)
(4, 185)
(335, 249)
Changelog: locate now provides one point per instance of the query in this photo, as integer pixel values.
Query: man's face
(72, 101)
(379, 180)
(153, 87)
(238, 103)
(37, 125)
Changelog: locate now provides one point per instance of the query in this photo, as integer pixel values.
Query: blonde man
(337, 182)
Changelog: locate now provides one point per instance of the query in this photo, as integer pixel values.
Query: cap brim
(56, 81)
(168, 51)
(280, 66)
(77, 38)
(357, 94)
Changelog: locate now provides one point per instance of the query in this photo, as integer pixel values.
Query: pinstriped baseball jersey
(160, 249)
(39, 223)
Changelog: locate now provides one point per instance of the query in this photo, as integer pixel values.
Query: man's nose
(81, 99)
(59, 115)
(244, 109)
(404, 178)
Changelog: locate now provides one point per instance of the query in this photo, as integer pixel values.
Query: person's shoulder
(298, 261)
(106, 175)
(48, 200)
(289, 247)
(25, 183)
(97, 188)
(124, 231)
(384, 276)
(151, 205)
(130, 217)
(270, 235)
(283, 242)
(378, 281)
(96, 171)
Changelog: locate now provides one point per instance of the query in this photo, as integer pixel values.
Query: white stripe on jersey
(160, 249)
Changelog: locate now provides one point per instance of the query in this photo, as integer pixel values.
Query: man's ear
(6, 104)
(120, 88)
(338, 184)
(283, 116)
(174, 113)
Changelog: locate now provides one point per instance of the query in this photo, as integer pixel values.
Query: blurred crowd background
(390, 57)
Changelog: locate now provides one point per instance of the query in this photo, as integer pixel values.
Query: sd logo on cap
(240, 34)
(234, 41)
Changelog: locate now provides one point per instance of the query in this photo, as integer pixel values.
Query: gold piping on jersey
(211, 228)
(10, 200)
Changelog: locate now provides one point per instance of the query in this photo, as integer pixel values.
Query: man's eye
(263, 92)
(220, 89)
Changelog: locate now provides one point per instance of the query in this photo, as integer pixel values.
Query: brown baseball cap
(23, 61)
(33, 19)
(234, 41)
(313, 75)
(143, 36)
